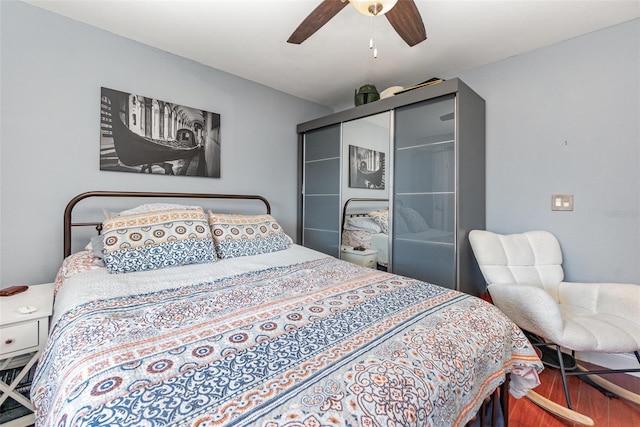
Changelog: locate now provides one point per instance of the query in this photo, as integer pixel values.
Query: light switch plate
(562, 202)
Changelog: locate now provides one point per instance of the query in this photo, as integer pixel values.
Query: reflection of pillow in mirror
(415, 222)
(363, 223)
(381, 217)
(400, 225)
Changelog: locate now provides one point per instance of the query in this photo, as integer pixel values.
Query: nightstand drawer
(366, 258)
(369, 261)
(18, 337)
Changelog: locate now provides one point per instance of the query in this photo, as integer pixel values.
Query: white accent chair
(526, 281)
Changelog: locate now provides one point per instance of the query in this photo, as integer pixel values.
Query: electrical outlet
(562, 202)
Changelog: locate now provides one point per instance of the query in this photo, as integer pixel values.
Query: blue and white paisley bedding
(318, 343)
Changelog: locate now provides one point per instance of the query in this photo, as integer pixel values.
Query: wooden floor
(604, 411)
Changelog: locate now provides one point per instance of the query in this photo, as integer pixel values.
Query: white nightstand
(22, 338)
(366, 258)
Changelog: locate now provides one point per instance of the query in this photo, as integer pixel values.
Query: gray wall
(566, 120)
(52, 69)
(584, 91)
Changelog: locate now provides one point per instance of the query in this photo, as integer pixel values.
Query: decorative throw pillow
(381, 217)
(415, 222)
(157, 239)
(242, 235)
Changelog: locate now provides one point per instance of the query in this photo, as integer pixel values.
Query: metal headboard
(68, 222)
(356, 199)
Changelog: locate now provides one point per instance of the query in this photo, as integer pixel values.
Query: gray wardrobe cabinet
(435, 164)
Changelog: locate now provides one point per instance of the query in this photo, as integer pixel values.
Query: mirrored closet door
(366, 146)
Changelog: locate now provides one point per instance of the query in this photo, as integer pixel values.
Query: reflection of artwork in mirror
(366, 168)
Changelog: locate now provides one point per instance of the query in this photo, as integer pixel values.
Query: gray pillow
(414, 220)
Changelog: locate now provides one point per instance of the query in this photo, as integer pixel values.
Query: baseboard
(611, 360)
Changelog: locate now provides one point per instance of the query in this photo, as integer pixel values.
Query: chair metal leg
(564, 376)
(594, 376)
(606, 370)
(548, 405)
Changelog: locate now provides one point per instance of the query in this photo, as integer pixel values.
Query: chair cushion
(585, 330)
(600, 316)
(532, 258)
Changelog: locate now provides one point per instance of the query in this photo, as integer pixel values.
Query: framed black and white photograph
(366, 168)
(142, 134)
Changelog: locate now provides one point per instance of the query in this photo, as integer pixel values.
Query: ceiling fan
(403, 15)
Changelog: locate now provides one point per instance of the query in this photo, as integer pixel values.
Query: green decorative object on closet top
(366, 94)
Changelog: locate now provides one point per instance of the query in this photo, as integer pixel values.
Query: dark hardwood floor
(604, 411)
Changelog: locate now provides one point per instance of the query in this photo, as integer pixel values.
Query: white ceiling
(248, 37)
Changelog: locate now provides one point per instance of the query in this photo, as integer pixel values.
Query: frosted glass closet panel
(321, 196)
(424, 211)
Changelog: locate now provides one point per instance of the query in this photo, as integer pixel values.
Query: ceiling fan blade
(316, 19)
(405, 18)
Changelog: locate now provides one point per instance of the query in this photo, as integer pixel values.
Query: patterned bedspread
(317, 343)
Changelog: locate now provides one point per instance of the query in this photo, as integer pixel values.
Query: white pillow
(364, 223)
(152, 207)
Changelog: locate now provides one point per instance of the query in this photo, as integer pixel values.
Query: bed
(265, 334)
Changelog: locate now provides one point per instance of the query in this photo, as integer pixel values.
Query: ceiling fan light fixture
(373, 7)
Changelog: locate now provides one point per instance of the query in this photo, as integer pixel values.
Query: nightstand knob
(9, 341)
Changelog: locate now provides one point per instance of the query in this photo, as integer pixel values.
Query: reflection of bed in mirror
(424, 239)
(365, 224)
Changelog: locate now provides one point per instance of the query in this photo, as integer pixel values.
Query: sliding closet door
(424, 211)
(321, 190)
